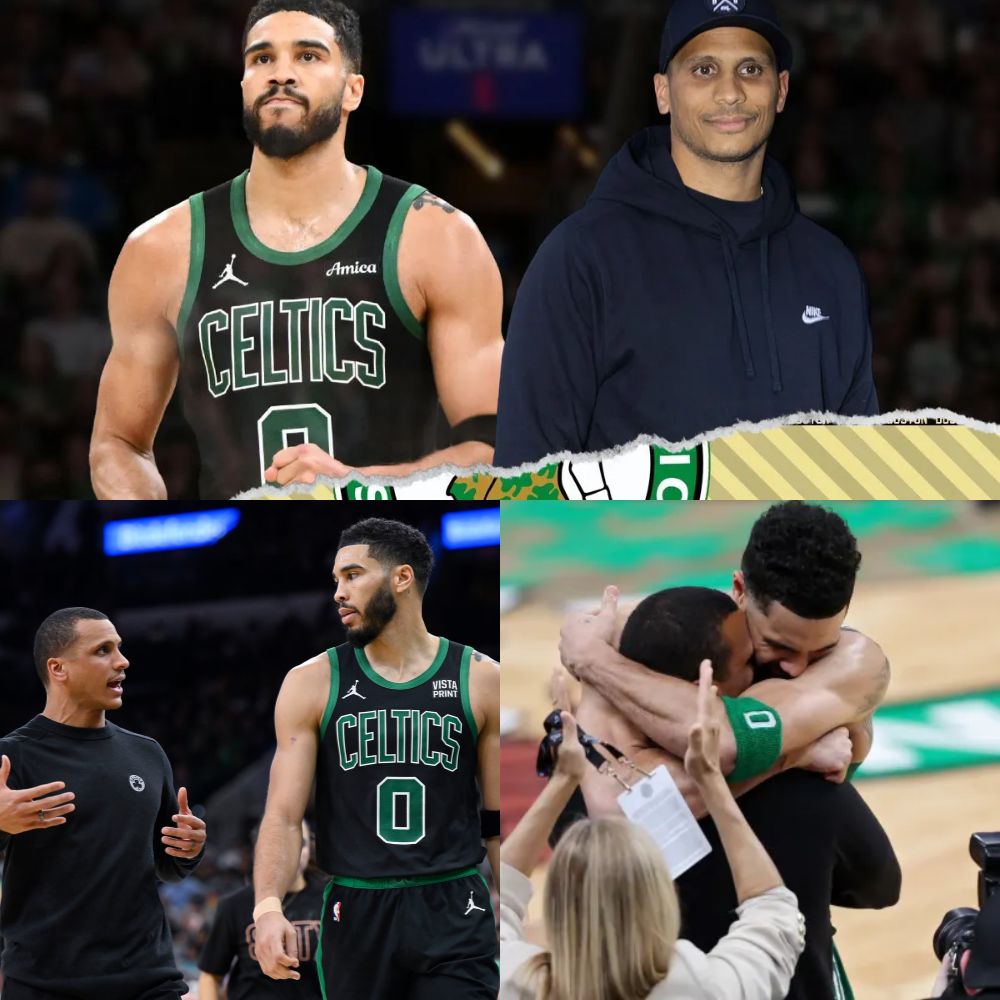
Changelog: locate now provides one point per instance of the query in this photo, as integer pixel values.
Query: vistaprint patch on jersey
(445, 689)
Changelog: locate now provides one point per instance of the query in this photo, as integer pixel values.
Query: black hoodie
(647, 313)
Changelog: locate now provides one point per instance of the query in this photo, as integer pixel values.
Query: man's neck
(68, 714)
(404, 649)
(727, 181)
(318, 183)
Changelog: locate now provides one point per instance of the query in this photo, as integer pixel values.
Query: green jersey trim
(195, 262)
(319, 945)
(241, 223)
(331, 700)
(377, 678)
(463, 685)
(390, 263)
(399, 883)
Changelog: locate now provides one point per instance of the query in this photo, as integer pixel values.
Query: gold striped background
(857, 463)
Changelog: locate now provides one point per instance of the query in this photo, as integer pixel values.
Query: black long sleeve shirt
(80, 910)
(828, 847)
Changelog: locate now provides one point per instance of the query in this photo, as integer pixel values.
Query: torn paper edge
(807, 418)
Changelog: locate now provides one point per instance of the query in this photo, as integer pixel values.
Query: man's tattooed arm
(434, 201)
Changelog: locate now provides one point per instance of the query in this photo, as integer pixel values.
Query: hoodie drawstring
(772, 342)
(737, 300)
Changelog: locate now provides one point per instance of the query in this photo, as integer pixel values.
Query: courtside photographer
(968, 940)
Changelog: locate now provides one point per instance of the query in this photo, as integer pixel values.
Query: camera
(966, 929)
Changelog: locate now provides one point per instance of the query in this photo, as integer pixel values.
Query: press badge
(656, 804)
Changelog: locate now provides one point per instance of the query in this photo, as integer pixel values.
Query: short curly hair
(673, 630)
(803, 556)
(393, 543)
(343, 19)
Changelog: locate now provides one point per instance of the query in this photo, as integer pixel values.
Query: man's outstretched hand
(23, 809)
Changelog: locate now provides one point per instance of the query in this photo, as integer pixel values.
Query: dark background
(112, 110)
(209, 634)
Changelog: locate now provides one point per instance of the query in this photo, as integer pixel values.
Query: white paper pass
(656, 804)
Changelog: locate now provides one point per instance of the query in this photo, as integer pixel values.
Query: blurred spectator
(28, 240)
(79, 342)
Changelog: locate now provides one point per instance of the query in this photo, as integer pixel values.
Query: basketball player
(317, 316)
(90, 822)
(689, 293)
(395, 724)
(231, 947)
(812, 675)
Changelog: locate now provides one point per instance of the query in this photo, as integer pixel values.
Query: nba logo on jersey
(336, 911)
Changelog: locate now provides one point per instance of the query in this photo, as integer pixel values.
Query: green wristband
(757, 730)
(852, 768)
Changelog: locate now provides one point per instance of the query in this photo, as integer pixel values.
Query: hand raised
(187, 838)
(702, 758)
(571, 762)
(23, 809)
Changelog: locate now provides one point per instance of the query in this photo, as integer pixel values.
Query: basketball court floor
(929, 593)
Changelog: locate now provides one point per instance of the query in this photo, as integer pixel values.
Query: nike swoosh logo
(809, 320)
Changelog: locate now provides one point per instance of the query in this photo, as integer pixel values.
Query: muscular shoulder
(484, 684)
(441, 249)
(311, 674)
(867, 661)
(304, 691)
(857, 666)
(484, 671)
(154, 261)
(433, 220)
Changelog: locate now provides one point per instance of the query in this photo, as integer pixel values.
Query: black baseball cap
(688, 18)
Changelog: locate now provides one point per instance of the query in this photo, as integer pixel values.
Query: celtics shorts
(424, 938)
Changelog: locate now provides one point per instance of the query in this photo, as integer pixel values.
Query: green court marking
(866, 517)
(620, 536)
(978, 554)
(543, 541)
(935, 734)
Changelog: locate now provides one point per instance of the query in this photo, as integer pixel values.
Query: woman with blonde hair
(610, 910)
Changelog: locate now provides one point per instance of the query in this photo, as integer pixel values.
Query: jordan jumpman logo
(227, 275)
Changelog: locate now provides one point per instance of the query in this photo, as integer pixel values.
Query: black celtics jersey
(281, 348)
(396, 777)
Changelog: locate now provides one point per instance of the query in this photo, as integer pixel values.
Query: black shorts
(409, 939)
